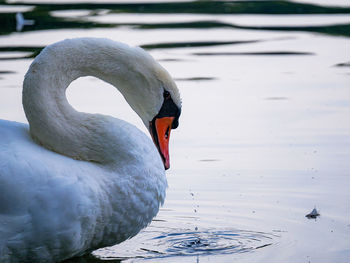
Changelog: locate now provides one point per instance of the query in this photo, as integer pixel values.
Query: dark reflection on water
(3, 72)
(28, 52)
(34, 51)
(41, 14)
(345, 64)
(196, 44)
(195, 79)
(342, 29)
(45, 20)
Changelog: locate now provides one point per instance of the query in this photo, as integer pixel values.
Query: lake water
(264, 135)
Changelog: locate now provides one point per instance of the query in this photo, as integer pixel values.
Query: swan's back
(53, 207)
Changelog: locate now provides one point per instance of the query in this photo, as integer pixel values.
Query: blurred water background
(264, 136)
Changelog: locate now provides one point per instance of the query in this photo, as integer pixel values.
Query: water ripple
(188, 243)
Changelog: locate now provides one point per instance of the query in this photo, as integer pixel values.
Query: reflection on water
(49, 16)
(264, 135)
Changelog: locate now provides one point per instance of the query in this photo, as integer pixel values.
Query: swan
(72, 182)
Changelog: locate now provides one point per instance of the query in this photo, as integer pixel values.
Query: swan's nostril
(167, 133)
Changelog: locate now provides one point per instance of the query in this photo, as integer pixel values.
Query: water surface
(264, 133)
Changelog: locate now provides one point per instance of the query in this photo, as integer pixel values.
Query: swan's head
(165, 116)
(153, 95)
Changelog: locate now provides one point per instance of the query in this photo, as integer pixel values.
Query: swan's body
(98, 180)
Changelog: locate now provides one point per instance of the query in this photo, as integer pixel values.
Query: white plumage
(98, 180)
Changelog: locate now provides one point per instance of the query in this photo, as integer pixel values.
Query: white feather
(88, 180)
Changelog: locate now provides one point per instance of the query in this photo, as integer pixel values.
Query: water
(264, 134)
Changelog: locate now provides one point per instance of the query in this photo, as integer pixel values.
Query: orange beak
(160, 131)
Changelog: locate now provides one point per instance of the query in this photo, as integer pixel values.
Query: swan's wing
(45, 198)
(53, 207)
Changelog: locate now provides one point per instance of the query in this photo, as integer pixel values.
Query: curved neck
(53, 121)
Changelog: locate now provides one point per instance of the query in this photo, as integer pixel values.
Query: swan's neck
(53, 121)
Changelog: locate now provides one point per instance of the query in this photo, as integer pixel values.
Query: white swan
(76, 182)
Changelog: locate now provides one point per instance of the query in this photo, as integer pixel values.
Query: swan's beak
(160, 130)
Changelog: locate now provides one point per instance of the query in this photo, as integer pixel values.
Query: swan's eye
(166, 94)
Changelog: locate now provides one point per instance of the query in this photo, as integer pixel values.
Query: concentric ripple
(188, 243)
